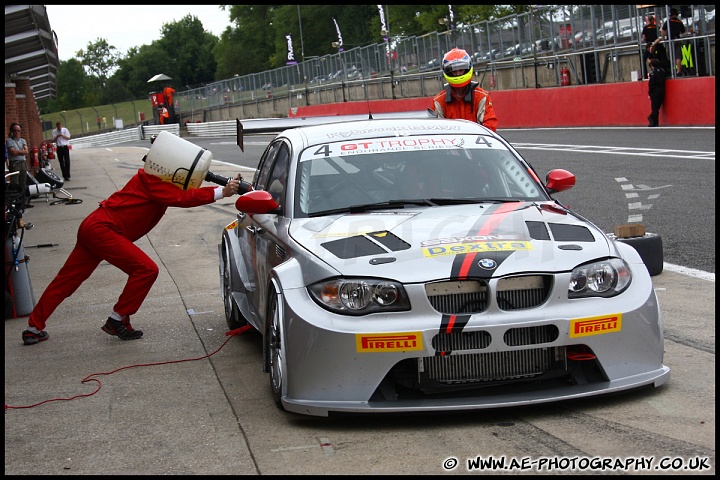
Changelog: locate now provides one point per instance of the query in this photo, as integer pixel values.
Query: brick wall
(20, 107)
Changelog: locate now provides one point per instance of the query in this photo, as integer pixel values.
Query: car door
(247, 238)
(262, 229)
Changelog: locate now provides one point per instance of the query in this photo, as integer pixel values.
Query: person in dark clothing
(672, 29)
(658, 51)
(649, 35)
(656, 91)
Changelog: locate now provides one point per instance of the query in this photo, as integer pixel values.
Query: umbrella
(158, 77)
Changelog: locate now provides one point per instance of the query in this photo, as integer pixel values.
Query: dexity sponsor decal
(388, 342)
(475, 247)
(585, 327)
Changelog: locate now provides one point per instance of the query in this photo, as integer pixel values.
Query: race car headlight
(359, 296)
(604, 278)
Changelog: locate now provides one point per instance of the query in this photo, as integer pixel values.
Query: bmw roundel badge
(487, 263)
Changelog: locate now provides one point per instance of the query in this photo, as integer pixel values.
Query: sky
(124, 26)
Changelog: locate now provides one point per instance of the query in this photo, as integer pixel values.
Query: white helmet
(178, 161)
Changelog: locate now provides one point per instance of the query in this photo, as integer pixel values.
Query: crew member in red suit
(168, 92)
(108, 234)
(164, 115)
(462, 98)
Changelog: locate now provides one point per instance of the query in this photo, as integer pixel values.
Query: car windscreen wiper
(376, 206)
(460, 201)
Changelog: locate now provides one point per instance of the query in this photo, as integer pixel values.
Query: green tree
(140, 65)
(100, 58)
(72, 84)
(255, 42)
(191, 49)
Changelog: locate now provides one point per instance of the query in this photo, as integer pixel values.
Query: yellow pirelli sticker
(388, 342)
(475, 247)
(585, 327)
(233, 225)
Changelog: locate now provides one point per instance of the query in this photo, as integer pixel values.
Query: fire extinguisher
(35, 159)
(564, 76)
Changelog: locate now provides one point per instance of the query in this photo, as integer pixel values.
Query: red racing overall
(108, 234)
(476, 106)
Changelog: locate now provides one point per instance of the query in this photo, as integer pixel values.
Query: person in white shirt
(61, 137)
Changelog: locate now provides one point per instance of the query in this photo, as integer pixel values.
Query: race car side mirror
(559, 180)
(257, 201)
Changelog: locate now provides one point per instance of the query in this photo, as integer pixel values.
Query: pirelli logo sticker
(388, 342)
(585, 327)
(475, 247)
(232, 225)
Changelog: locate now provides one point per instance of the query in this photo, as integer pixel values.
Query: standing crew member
(675, 27)
(164, 115)
(61, 137)
(463, 98)
(656, 91)
(649, 35)
(168, 94)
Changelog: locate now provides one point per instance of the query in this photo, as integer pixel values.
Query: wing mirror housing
(559, 180)
(256, 201)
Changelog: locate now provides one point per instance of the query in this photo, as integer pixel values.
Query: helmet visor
(456, 68)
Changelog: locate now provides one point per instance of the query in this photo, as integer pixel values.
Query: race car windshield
(445, 171)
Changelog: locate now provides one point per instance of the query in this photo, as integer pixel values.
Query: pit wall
(688, 102)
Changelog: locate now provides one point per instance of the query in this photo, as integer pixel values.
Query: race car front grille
(464, 297)
(458, 297)
(516, 337)
(447, 342)
(517, 293)
(492, 366)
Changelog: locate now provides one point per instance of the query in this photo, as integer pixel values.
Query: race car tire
(650, 248)
(47, 176)
(275, 348)
(233, 317)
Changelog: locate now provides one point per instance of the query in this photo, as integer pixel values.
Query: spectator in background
(104, 122)
(649, 35)
(61, 137)
(675, 27)
(656, 91)
(462, 98)
(99, 121)
(168, 93)
(17, 159)
(164, 115)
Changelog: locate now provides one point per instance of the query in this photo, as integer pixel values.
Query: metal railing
(541, 35)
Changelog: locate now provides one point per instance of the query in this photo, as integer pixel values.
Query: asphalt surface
(164, 419)
(181, 401)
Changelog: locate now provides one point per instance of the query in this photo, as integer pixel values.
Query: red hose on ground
(229, 334)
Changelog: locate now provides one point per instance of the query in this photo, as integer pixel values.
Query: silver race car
(421, 265)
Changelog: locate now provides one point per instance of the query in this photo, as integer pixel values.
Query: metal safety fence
(543, 37)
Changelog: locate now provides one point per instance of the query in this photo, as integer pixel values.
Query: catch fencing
(588, 40)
